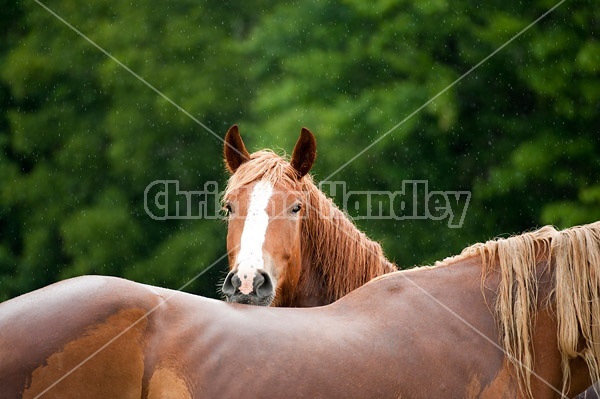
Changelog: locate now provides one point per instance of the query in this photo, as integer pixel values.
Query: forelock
(263, 165)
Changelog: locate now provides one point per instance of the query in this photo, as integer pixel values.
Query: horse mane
(343, 256)
(573, 259)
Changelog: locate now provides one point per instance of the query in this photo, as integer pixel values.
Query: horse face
(263, 242)
(263, 239)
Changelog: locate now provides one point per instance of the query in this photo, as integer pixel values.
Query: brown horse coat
(309, 252)
(422, 333)
(196, 347)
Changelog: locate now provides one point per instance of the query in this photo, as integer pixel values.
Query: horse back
(79, 331)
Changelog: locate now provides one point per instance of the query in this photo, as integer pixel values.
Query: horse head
(265, 204)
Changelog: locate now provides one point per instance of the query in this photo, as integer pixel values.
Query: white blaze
(250, 257)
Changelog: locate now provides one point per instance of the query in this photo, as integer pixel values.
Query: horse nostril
(231, 284)
(263, 285)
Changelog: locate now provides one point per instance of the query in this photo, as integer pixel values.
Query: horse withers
(288, 244)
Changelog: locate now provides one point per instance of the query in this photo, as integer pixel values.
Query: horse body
(355, 348)
(482, 325)
(189, 346)
(197, 347)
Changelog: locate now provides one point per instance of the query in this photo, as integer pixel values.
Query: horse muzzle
(257, 291)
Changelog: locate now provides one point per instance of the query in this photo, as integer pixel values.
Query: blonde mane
(343, 257)
(573, 259)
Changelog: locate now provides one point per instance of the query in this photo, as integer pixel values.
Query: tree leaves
(81, 137)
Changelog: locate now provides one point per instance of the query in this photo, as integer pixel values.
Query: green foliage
(81, 137)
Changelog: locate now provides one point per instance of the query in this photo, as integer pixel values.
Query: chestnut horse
(516, 317)
(288, 244)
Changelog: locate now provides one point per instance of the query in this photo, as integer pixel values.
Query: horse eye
(227, 208)
(296, 208)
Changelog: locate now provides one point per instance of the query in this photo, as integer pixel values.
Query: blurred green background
(81, 138)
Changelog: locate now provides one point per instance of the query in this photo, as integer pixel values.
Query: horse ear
(304, 153)
(234, 150)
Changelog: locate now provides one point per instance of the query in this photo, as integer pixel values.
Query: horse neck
(336, 257)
